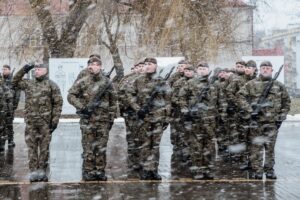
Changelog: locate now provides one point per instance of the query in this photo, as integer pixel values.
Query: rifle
(260, 103)
(109, 73)
(193, 110)
(93, 104)
(147, 106)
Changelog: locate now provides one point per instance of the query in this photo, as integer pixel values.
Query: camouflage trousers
(94, 142)
(202, 146)
(6, 129)
(38, 138)
(181, 159)
(133, 148)
(263, 138)
(150, 136)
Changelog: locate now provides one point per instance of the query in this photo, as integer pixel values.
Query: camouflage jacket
(11, 96)
(177, 94)
(235, 83)
(276, 106)
(43, 98)
(175, 77)
(84, 91)
(141, 90)
(222, 104)
(123, 88)
(189, 97)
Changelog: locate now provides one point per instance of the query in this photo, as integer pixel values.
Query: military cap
(183, 62)
(202, 64)
(94, 59)
(152, 60)
(42, 65)
(241, 62)
(6, 66)
(189, 67)
(251, 63)
(266, 63)
(95, 55)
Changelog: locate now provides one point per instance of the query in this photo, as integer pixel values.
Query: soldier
(180, 160)
(221, 120)
(243, 127)
(236, 81)
(152, 116)
(94, 98)
(43, 107)
(266, 122)
(129, 115)
(11, 100)
(198, 103)
(2, 119)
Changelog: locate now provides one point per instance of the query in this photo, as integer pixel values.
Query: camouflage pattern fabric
(96, 128)
(263, 131)
(43, 106)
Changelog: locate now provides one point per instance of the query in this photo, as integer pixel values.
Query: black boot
(101, 176)
(89, 176)
(271, 175)
(255, 175)
(156, 176)
(146, 175)
(34, 176)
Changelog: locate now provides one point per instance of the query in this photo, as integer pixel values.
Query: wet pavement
(65, 172)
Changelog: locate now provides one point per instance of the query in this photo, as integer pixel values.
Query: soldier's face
(202, 71)
(150, 67)
(5, 71)
(181, 68)
(266, 71)
(240, 68)
(249, 70)
(140, 68)
(94, 67)
(188, 73)
(38, 72)
(221, 74)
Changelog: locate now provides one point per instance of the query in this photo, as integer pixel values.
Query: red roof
(268, 52)
(21, 7)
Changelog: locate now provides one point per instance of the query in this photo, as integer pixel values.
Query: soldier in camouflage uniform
(264, 124)
(43, 105)
(129, 116)
(2, 119)
(201, 115)
(236, 81)
(152, 120)
(95, 122)
(180, 160)
(221, 120)
(85, 71)
(11, 100)
(243, 127)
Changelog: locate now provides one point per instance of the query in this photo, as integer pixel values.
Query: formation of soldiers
(236, 110)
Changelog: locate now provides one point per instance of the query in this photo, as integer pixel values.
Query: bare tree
(62, 45)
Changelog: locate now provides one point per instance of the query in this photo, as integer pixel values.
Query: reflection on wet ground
(65, 172)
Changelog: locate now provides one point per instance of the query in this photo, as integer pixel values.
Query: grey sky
(276, 14)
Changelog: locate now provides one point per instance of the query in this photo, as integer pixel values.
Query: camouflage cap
(183, 62)
(190, 67)
(251, 63)
(241, 62)
(151, 60)
(94, 59)
(202, 64)
(95, 55)
(6, 66)
(42, 65)
(266, 63)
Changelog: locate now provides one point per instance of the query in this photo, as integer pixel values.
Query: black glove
(28, 67)
(85, 113)
(52, 127)
(141, 114)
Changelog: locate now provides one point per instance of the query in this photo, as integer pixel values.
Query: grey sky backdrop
(276, 14)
